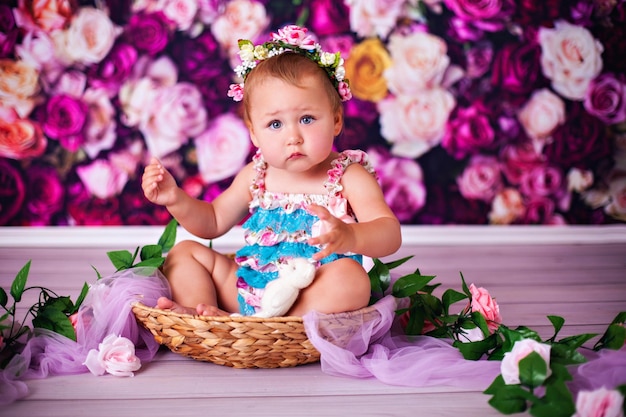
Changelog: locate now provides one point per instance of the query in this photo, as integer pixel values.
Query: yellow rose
(364, 68)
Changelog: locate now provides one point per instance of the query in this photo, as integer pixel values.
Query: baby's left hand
(338, 237)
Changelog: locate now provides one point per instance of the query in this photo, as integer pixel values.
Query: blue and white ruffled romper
(280, 225)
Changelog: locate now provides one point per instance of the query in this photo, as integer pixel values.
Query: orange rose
(20, 138)
(44, 14)
(19, 82)
(364, 69)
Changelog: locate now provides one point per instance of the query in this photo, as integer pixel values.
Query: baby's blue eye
(307, 120)
(275, 124)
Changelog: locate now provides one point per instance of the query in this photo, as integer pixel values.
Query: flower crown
(290, 38)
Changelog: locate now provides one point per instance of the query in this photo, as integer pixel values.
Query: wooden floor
(584, 283)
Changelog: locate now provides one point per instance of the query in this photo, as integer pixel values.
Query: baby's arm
(203, 219)
(377, 232)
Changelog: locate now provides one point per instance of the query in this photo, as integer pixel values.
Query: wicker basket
(242, 342)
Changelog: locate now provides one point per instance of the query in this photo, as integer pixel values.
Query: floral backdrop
(474, 112)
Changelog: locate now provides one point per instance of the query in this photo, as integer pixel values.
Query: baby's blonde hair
(291, 68)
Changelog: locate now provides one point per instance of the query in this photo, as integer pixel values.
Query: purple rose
(518, 159)
(487, 16)
(114, 69)
(328, 17)
(64, 120)
(148, 32)
(606, 98)
(541, 181)
(517, 68)
(537, 13)
(540, 210)
(478, 58)
(84, 210)
(45, 195)
(8, 31)
(198, 59)
(12, 191)
(580, 142)
(469, 131)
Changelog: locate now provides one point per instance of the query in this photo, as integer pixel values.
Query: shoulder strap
(339, 165)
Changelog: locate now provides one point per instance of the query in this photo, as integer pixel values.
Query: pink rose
(599, 403)
(402, 183)
(483, 303)
(240, 19)
(541, 181)
(115, 355)
(181, 12)
(176, 114)
(102, 179)
(518, 159)
(21, 138)
(606, 99)
(19, 83)
(481, 179)
(46, 15)
(100, 126)
(414, 124)
(223, 148)
(509, 368)
(570, 57)
(294, 35)
(419, 62)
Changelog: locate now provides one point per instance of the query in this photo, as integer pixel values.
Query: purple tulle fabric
(106, 310)
(378, 349)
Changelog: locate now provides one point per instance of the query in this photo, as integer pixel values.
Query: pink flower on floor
(115, 355)
(522, 348)
(487, 306)
(599, 403)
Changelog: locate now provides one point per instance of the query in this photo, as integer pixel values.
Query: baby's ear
(338, 122)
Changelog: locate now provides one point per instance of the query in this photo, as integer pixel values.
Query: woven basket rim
(243, 319)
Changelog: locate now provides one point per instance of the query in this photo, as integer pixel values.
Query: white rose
(419, 61)
(617, 194)
(222, 150)
(579, 180)
(369, 18)
(115, 355)
(19, 82)
(570, 57)
(100, 128)
(521, 349)
(543, 112)
(89, 38)
(414, 124)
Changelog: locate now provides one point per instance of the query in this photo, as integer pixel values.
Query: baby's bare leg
(339, 286)
(202, 280)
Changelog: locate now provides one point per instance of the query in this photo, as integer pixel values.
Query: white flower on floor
(115, 355)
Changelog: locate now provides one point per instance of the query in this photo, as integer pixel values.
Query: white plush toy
(281, 293)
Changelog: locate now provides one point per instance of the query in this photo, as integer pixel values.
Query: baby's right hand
(159, 186)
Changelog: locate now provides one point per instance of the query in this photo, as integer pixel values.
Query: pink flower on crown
(236, 92)
(344, 91)
(294, 35)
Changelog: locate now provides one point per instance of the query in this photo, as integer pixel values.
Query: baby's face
(294, 126)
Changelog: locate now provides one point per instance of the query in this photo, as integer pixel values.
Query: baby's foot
(207, 310)
(165, 303)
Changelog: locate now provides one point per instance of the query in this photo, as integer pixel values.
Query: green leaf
(81, 298)
(557, 402)
(168, 238)
(410, 284)
(510, 399)
(415, 324)
(475, 350)
(380, 278)
(557, 322)
(495, 385)
(450, 297)
(3, 297)
(464, 286)
(55, 320)
(19, 283)
(151, 252)
(566, 355)
(533, 370)
(397, 262)
(578, 340)
(121, 259)
(152, 262)
(480, 321)
(613, 338)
